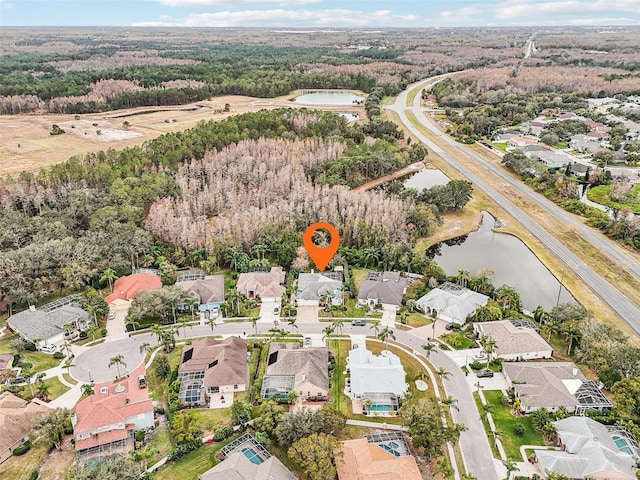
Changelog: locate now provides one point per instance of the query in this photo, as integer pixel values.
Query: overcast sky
(317, 13)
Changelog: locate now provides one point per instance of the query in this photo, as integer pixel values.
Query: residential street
(627, 310)
(473, 443)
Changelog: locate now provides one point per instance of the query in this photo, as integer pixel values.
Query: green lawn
(56, 388)
(562, 144)
(39, 361)
(352, 311)
(359, 274)
(458, 340)
(418, 320)
(502, 146)
(191, 465)
(158, 387)
(600, 194)
(161, 443)
(20, 468)
(505, 422)
(485, 424)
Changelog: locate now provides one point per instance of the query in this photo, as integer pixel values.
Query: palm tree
(404, 315)
(259, 250)
(68, 328)
(87, 390)
(156, 330)
(211, 321)
(292, 397)
(109, 276)
(133, 323)
(489, 346)
(450, 402)
(463, 278)
(94, 310)
(234, 297)
(552, 326)
(93, 330)
(28, 374)
(429, 348)
(254, 324)
(540, 315)
(67, 347)
(117, 361)
(572, 333)
(193, 303)
(184, 323)
(376, 327)
(43, 389)
(145, 347)
(36, 342)
(292, 323)
(338, 323)
(510, 466)
(328, 331)
(442, 373)
(68, 363)
(384, 336)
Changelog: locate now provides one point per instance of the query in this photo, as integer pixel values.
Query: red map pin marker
(321, 256)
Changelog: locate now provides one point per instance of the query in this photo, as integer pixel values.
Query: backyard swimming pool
(252, 456)
(379, 407)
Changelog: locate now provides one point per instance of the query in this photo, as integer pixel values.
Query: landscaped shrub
(103, 332)
(518, 429)
(475, 365)
(34, 475)
(29, 346)
(58, 355)
(184, 448)
(139, 436)
(22, 449)
(223, 434)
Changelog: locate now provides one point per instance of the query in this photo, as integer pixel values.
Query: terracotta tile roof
(16, 418)
(126, 288)
(365, 461)
(112, 403)
(102, 438)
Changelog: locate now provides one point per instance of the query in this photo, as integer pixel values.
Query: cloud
(4, 5)
(234, 3)
(286, 18)
(569, 8)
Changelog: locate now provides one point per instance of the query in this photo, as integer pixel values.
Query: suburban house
(383, 288)
(246, 459)
(381, 456)
(451, 302)
(104, 423)
(302, 370)
(590, 451)
(47, 323)
(515, 339)
(207, 289)
(262, 284)
(16, 418)
(377, 382)
(552, 385)
(125, 288)
(214, 368)
(314, 288)
(6, 359)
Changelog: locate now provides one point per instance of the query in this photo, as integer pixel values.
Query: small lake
(427, 178)
(328, 97)
(511, 260)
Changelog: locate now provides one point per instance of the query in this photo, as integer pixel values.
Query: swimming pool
(379, 407)
(622, 444)
(391, 447)
(252, 455)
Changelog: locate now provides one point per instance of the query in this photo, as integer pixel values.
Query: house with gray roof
(552, 385)
(377, 382)
(589, 451)
(316, 287)
(47, 322)
(291, 368)
(205, 288)
(383, 288)
(246, 459)
(514, 343)
(451, 302)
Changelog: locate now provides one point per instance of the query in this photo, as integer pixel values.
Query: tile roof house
(589, 452)
(125, 288)
(205, 288)
(552, 385)
(313, 287)
(514, 343)
(262, 284)
(363, 459)
(451, 302)
(386, 289)
(246, 459)
(47, 322)
(378, 378)
(16, 418)
(104, 423)
(210, 367)
(303, 370)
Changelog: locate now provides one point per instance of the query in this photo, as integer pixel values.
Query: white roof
(590, 452)
(376, 373)
(456, 304)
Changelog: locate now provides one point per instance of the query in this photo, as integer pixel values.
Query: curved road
(625, 308)
(474, 444)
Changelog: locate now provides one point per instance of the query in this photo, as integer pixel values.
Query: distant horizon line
(286, 29)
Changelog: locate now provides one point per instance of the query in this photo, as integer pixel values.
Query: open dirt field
(26, 145)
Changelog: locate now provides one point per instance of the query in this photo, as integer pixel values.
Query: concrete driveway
(388, 318)
(267, 314)
(116, 329)
(307, 314)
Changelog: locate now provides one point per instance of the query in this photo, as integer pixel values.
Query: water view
(427, 178)
(328, 97)
(512, 262)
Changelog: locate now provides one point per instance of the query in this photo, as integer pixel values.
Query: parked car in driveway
(480, 356)
(112, 315)
(307, 341)
(485, 374)
(449, 326)
(50, 348)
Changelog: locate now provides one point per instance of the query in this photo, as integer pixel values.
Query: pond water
(328, 97)
(427, 178)
(511, 260)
